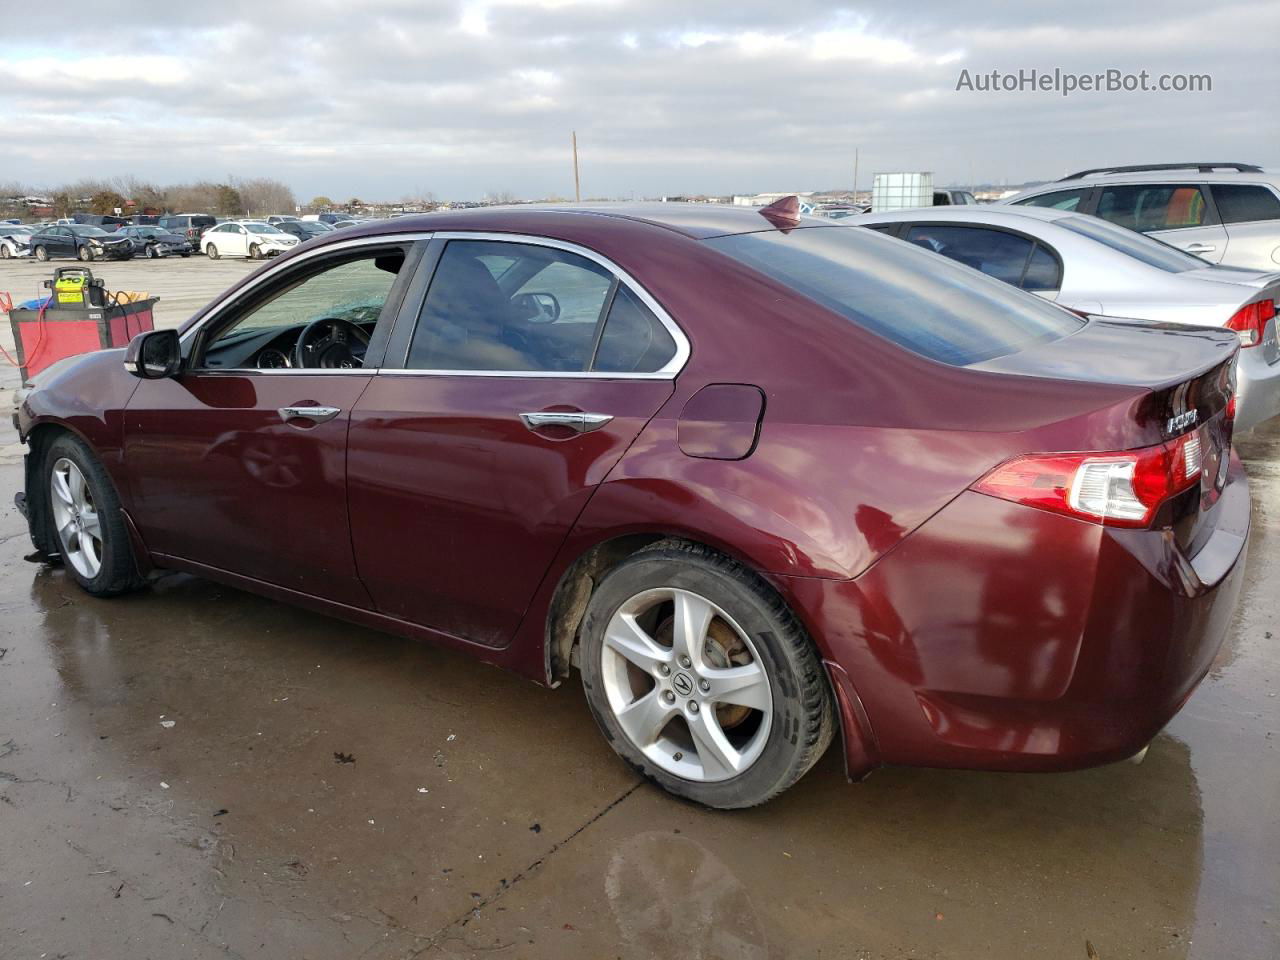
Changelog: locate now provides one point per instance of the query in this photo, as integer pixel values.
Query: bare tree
(263, 196)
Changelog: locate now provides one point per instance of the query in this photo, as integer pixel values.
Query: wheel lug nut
(693, 706)
(668, 696)
(686, 662)
(704, 686)
(664, 670)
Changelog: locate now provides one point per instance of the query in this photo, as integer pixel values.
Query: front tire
(151, 251)
(255, 252)
(702, 679)
(211, 252)
(84, 254)
(41, 254)
(85, 520)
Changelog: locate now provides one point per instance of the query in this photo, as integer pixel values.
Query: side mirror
(154, 355)
(540, 307)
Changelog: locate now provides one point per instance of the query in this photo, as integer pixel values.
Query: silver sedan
(1096, 268)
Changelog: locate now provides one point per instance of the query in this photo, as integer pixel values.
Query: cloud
(460, 98)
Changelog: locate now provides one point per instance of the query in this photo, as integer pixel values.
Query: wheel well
(38, 441)
(578, 583)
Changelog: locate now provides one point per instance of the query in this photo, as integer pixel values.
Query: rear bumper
(1258, 390)
(999, 637)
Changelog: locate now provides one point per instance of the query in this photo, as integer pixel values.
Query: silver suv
(1227, 213)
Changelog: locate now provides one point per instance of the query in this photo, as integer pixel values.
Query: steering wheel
(325, 343)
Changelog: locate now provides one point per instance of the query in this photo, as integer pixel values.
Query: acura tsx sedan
(758, 478)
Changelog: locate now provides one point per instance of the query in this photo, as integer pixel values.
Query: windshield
(1139, 246)
(917, 299)
(255, 227)
(81, 231)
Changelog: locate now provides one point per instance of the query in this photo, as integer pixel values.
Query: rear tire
(4, 252)
(752, 687)
(86, 522)
(211, 252)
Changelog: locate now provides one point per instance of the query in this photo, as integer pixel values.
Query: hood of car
(275, 237)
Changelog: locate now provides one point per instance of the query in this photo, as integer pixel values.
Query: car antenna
(783, 213)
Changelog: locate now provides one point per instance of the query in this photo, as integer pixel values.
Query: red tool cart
(78, 317)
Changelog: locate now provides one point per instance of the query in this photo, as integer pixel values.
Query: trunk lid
(1186, 381)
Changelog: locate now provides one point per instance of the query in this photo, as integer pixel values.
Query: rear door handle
(316, 414)
(1200, 247)
(575, 421)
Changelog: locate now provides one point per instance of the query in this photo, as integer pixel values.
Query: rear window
(905, 294)
(1245, 203)
(1150, 251)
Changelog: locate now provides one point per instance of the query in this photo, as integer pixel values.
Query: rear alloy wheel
(41, 254)
(4, 252)
(702, 679)
(211, 252)
(85, 516)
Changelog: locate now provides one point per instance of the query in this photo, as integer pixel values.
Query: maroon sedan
(758, 478)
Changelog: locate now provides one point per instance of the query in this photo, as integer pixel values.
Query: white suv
(1227, 213)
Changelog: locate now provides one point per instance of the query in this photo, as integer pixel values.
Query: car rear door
(520, 371)
(1250, 212)
(239, 462)
(1180, 214)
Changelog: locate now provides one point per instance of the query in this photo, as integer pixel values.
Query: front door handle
(1200, 247)
(576, 421)
(315, 414)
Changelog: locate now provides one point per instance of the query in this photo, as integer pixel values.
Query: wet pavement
(196, 772)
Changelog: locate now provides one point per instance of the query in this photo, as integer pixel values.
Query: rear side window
(1245, 202)
(499, 306)
(937, 309)
(1058, 200)
(634, 340)
(1148, 207)
(996, 253)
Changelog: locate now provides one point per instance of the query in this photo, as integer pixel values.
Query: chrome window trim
(668, 371)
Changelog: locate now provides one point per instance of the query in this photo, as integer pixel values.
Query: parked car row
(758, 477)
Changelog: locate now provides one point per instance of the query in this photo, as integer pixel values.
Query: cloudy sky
(387, 98)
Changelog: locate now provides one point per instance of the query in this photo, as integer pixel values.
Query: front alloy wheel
(75, 518)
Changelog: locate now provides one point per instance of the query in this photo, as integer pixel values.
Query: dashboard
(270, 349)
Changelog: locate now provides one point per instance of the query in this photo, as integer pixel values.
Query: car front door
(1177, 213)
(239, 462)
(64, 243)
(511, 389)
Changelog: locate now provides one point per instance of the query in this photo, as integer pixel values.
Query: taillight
(1250, 320)
(1121, 489)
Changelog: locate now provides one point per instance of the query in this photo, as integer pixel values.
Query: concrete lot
(481, 816)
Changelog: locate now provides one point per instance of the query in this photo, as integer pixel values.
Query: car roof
(697, 220)
(1188, 175)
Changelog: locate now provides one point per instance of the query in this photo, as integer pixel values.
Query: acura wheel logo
(682, 684)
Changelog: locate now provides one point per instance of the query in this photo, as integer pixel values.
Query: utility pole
(577, 189)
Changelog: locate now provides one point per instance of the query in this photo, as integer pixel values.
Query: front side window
(1245, 202)
(1058, 200)
(351, 292)
(902, 293)
(1148, 207)
(500, 306)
